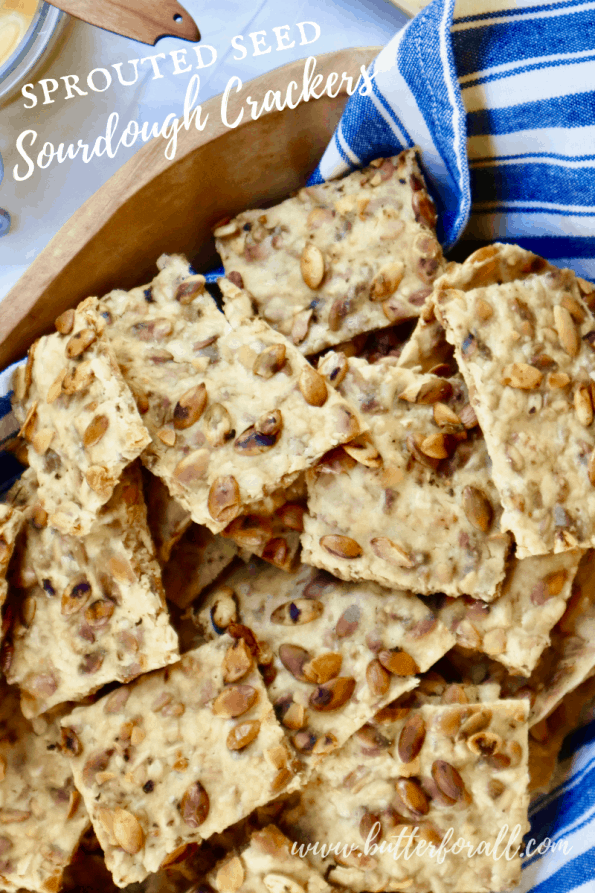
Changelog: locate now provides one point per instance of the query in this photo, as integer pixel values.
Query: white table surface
(40, 205)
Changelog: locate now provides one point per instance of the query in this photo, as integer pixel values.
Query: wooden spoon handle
(144, 20)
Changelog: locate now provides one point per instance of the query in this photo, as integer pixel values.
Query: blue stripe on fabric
(477, 49)
(5, 405)
(535, 183)
(576, 112)
(502, 207)
(550, 247)
(409, 143)
(573, 874)
(214, 275)
(366, 132)
(535, 66)
(519, 156)
(528, 11)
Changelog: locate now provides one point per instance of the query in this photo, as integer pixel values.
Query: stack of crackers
(296, 587)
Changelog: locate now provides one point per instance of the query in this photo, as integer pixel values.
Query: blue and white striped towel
(502, 106)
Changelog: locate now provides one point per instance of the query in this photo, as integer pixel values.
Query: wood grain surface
(152, 205)
(144, 20)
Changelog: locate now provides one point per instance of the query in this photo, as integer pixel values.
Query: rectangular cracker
(515, 628)
(524, 339)
(403, 518)
(344, 630)
(266, 865)
(78, 417)
(375, 784)
(92, 609)
(42, 817)
(174, 345)
(340, 258)
(154, 764)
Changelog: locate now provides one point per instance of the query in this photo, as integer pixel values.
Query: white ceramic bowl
(45, 29)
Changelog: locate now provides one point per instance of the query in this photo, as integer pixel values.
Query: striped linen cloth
(500, 98)
(502, 106)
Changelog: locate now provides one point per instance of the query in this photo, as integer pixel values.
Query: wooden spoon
(144, 20)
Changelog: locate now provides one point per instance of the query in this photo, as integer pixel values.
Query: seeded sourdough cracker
(524, 340)
(177, 756)
(266, 865)
(91, 609)
(234, 413)
(515, 628)
(41, 814)
(78, 418)
(168, 520)
(412, 504)
(340, 258)
(338, 651)
(428, 770)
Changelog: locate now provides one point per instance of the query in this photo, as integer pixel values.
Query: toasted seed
(386, 281)
(557, 380)
(478, 509)
(65, 322)
(230, 876)
(468, 417)
(10, 816)
(412, 737)
(313, 387)
(235, 700)
(55, 389)
(70, 742)
(483, 309)
(238, 661)
(333, 694)
(167, 436)
(99, 480)
(190, 407)
(78, 379)
(567, 331)
(42, 440)
(75, 597)
(292, 516)
(583, 405)
(192, 468)
(363, 451)
(522, 376)
(252, 443)
(128, 831)
(348, 622)
(188, 291)
(217, 424)
(371, 741)
(323, 668)
(294, 658)
(270, 361)
(444, 415)
(447, 780)
(298, 611)
(194, 805)
(340, 309)
(434, 446)
(243, 734)
(389, 551)
(95, 430)
(341, 546)
(224, 499)
(97, 762)
(99, 613)
(226, 229)
(378, 678)
(398, 662)
(412, 795)
(312, 265)
(78, 343)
